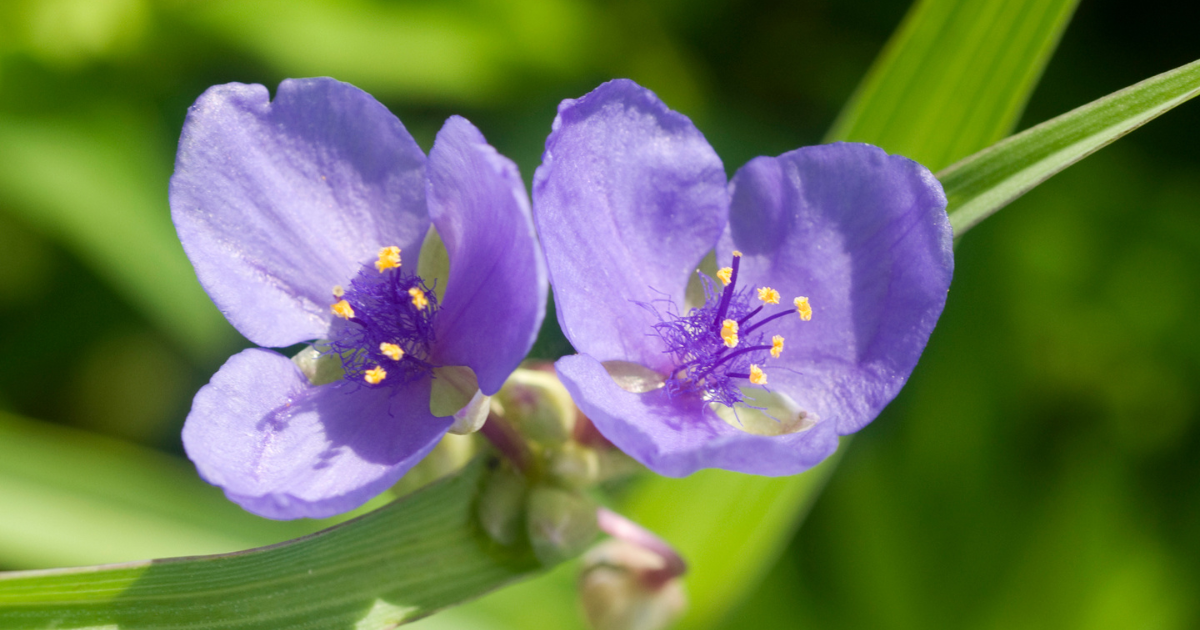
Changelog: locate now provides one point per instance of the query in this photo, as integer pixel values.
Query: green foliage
(935, 517)
(954, 78)
(95, 182)
(979, 185)
(398, 563)
(80, 498)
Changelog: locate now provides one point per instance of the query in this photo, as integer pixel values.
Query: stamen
(418, 298)
(389, 258)
(727, 293)
(776, 346)
(725, 274)
(729, 330)
(338, 291)
(757, 376)
(803, 308)
(768, 295)
(342, 309)
(375, 375)
(392, 351)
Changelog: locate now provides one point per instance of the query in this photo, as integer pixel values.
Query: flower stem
(505, 438)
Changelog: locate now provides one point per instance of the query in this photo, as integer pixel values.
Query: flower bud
(575, 466)
(500, 504)
(538, 406)
(561, 524)
(617, 594)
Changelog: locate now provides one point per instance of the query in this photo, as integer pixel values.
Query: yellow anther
(757, 376)
(391, 350)
(768, 295)
(737, 254)
(729, 333)
(725, 275)
(338, 291)
(342, 309)
(389, 258)
(803, 308)
(418, 298)
(376, 374)
(776, 346)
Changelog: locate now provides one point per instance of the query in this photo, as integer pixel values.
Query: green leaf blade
(981, 184)
(396, 564)
(955, 77)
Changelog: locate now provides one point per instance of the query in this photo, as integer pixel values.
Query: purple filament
(703, 363)
(384, 313)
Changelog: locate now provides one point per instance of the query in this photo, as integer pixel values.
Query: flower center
(721, 345)
(385, 327)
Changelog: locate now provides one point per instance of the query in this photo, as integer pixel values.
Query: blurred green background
(1042, 468)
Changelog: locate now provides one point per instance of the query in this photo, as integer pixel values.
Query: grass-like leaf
(954, 78)
(983, 183)
(399, 563)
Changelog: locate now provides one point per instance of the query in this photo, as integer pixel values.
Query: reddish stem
(505, 438)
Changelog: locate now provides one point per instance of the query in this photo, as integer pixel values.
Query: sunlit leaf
(991, 179)
(72, 497)
(954, 78)
(401, 562)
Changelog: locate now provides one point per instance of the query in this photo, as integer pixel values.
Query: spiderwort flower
(304, 218)
(834, 264)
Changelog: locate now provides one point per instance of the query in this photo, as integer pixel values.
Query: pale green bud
(561, 523)
(538, 406)
(501, 504)
(575, 466)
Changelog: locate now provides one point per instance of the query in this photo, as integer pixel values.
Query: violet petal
(284, 449)
(628, 199)
(676, 437)
(277, 202)
(496, 293)
(865, 237)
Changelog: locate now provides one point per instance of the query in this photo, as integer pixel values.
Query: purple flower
(304, 218)
(835, 263)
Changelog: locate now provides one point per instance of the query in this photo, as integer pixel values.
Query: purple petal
(629, 198)
(277, 202)
(678, 437)
(283, 449)
(865, 237)
(496, 293)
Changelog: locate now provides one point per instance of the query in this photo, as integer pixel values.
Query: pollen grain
(803, 307)
(342, 309)
(725, 275)
(768, 295)
(389, 258)
(375, 375)
(391, 351)
(729, 333)
(418, 298)
(776, 346)
(757, 376)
